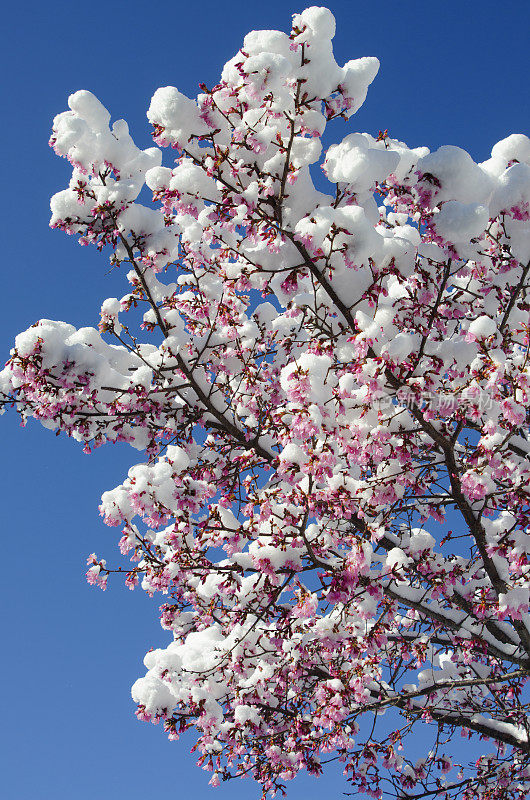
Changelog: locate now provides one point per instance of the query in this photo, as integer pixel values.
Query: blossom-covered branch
(330, 379)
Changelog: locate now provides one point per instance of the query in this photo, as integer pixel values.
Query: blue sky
(451, 73)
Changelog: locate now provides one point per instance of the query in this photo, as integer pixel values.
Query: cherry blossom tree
(330, 387)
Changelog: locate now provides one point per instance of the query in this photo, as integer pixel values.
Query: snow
(420, 540)
(396, 559)
(257, 42)
(87, 107)
(355, 162)
(460, 178)
(515, 147)
(176, 114)
(482, 327)
(318, 20)
(401, 346)
(513, 189)
(460, 222)
(356, 76)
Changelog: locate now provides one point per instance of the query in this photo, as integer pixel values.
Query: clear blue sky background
(451, 73)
